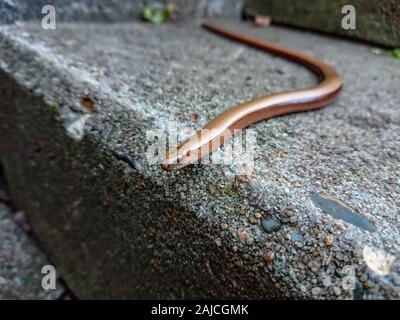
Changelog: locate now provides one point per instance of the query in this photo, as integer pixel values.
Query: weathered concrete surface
(69, 10)
(120, 230)
(112, 10)
(21, 263)
(377, 21)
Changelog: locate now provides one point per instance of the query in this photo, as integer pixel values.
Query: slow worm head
(222, 128)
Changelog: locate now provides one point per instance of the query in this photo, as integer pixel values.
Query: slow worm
(222, 128)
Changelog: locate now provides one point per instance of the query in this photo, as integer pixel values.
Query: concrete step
(77, 103)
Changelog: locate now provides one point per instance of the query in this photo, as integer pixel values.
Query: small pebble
(326, 281)
(88, 104)
(245, 256)
(262, 21)
(329, 240)
(253, 220)
(301, 266)
(339, 256)
(245, 236)
(3, 281)
(211, 188)
(224, 226)
(271, 224)
(194, 116)
(267, 256)
(341, 225)
(296, 236)
(316, 291)
(337, 291)
(125, 157)
(328, 260)
(257, 215)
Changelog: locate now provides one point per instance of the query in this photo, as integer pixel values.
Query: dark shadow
(4, 193)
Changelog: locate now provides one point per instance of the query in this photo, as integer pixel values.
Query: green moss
(230, 191)
(157, 15)
(55, 108)
(389, 53)
(396, 53)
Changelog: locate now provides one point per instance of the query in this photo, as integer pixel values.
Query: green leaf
(147, 13)
(157, 15)
(396, 53)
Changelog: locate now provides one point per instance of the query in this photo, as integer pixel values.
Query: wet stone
(339, 210)
(296, 236)
(271, 224)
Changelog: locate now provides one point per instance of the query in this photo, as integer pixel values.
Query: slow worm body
(222, 128)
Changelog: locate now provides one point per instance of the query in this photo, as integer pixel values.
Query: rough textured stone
(20, 263)
(112, 10)
(127, 229)
(377, 21)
